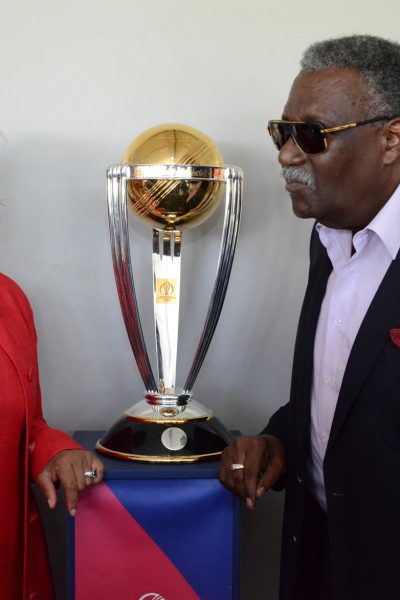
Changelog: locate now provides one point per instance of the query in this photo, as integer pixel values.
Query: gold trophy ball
(173, 204)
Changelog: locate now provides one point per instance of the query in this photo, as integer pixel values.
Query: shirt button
(327, 379)
(31, 447)
(300, 479)
(338, 322)
(294, 538)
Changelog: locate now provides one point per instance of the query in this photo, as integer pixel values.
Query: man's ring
(92, 474)
(237, 467)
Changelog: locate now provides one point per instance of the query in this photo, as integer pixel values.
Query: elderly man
(335, 446)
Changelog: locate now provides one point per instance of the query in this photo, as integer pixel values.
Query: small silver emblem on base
(174, 438)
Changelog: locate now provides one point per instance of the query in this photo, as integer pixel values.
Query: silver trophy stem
(117, 205)
(166, 278)
(119, 235)
(234, 183)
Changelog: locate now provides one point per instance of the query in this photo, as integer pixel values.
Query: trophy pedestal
(154, 531)
(143, 434)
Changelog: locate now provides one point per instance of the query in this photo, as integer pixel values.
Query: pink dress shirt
(354, 280)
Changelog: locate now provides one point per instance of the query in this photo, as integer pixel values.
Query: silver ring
(237, 467)
(92, 474)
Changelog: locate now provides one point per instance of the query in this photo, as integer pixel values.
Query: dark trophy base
(158, 440)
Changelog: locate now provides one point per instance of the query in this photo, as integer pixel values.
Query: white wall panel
(79, 80)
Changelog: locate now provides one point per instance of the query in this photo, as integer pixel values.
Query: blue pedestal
(154, 532)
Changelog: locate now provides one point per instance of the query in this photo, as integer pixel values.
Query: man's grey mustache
(298, 175)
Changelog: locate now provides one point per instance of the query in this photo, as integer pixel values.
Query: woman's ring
(92, 474)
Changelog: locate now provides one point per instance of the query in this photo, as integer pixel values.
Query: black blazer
(362, 461)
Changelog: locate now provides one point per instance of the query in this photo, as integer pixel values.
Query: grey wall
(80, 79)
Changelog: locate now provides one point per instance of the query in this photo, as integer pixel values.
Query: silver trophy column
(168, 425)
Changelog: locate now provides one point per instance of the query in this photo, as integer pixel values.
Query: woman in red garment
(30, 450)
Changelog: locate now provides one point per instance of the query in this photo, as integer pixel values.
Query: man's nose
(290, 154)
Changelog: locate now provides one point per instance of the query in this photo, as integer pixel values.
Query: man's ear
(391, 133)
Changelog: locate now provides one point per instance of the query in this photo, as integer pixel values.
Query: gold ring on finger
(237, 467)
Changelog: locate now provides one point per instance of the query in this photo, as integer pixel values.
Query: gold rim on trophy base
(172, 178)
(156, 459)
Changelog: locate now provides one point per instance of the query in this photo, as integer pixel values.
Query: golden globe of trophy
(172, 178)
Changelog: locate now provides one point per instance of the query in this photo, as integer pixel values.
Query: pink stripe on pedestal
(116, 558)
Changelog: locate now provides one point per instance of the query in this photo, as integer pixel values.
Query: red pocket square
(395, 335)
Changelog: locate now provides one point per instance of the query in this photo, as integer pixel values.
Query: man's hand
(263, 458)
(68, 467)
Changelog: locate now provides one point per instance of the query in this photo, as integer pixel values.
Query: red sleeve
(43, 441)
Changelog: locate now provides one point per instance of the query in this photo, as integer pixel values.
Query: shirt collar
(386, 225)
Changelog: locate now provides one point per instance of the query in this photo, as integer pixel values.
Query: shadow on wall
(260, 548)
(55, 525)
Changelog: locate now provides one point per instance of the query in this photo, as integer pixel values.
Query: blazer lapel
(320, 269)
(19, 351)
(382, 315)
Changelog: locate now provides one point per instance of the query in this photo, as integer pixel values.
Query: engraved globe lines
(173, 203)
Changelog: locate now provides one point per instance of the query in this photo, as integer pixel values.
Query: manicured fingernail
(49, 503)
(249, 503)
(72, 512)
(260, 491)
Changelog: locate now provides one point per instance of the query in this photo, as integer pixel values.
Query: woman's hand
(68, 468)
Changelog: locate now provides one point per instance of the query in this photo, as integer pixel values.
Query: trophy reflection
(172, 178)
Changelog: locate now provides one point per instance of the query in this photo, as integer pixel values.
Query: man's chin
(301, 207)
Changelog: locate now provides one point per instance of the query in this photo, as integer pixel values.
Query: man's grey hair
(376, 59)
